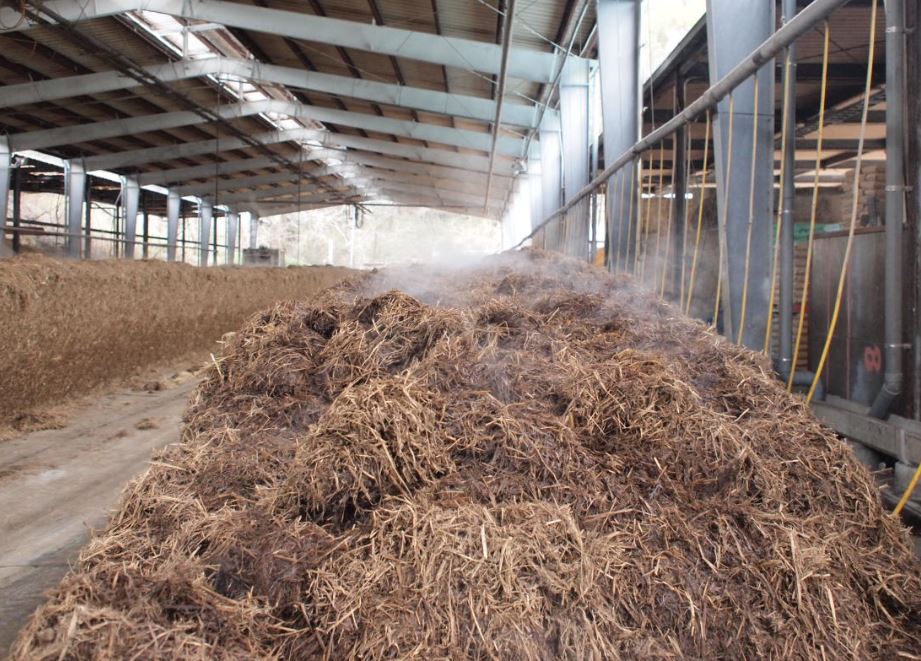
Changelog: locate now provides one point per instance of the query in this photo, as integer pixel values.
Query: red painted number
(873, 359)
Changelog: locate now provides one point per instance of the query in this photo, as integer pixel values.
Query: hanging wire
(784, 137)
(725, 215)
(813, 214)
(700, 218)
(751, 216)
(854, 207)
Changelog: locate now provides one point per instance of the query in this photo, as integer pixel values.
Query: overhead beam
(455, 105)
(340, 197)
(80, 133)
(222, 185)
(322, 138)
(464, 178)
(467, 54)
(165, 177)
(357, 173)
(375, 188)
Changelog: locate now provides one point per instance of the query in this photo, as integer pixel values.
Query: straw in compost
(527, 459)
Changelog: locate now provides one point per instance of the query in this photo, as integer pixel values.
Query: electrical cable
(854, 208)
(22, 18)
(813, 214)
(743, 310)
(700, 218)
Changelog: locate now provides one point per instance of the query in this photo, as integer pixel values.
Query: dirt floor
(57, 484)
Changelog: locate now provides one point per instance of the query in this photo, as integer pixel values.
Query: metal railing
(815, 13)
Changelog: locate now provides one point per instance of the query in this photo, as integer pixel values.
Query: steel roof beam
(221, 185)
(525, 64)
(463, 163)
(113, 128)
(374, 187)
(455, 105)
(462, 180)
(340, 197)
(165, 177)
(357, 172)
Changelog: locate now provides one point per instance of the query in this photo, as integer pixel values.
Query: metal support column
(173, 204)
(576, 142)
(76, 192)
(6, 162)
(205, 212)
(131, 194)
(893, 378)
(233, 221)
(787, 361)
(535, 191)
(735, 28)
(619, 59)
(551, 175)
(253, 230)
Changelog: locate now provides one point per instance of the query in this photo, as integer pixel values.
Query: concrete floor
(56, 485)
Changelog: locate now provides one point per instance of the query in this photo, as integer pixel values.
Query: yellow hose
(630, 215)
(723, 237)
(813, 214)
(620, 219)
(658, 216)
(659, 199)
(751, 215)
(854, 208)
(783, 170)
(641, 208)
(908, 491)
(700, 219)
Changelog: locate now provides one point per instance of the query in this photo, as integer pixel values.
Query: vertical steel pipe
(893, 378)
(17, 207)
(787, 360)
(6, 163)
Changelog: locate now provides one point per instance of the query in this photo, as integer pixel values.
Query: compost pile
(525, 459)
(70, 325)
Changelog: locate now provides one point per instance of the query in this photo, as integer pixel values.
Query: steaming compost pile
(525, 459)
